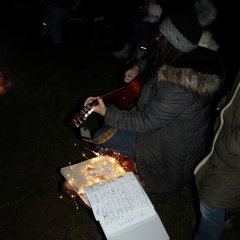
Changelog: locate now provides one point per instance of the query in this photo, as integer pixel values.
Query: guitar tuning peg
(78, 123)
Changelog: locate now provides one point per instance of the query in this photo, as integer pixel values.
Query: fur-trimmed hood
(202, 83)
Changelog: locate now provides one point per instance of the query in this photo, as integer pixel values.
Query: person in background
(56, 12)
(207, 41)
(142, 35)
(167, 133)
(218, 174)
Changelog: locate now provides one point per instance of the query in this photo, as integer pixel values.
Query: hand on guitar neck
(121, 97)
(99, 107)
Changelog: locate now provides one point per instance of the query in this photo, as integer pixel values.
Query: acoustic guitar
(121, 97)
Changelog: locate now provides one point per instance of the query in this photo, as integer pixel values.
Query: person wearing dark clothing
(169, 127)
(55, 13)
(218, 174)
(143, 31)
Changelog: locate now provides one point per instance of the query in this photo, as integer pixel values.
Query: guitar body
(122, 98)
(128, 94)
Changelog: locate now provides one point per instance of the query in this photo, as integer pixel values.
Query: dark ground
(48, 84)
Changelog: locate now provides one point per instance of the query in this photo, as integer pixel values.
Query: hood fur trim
(202, 83)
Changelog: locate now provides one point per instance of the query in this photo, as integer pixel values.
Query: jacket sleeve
(166, 104)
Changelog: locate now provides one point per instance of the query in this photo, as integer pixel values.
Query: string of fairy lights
(95, 170)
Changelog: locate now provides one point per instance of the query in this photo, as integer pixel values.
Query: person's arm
(157, 112)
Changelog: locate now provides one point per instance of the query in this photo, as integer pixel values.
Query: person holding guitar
(167, 133)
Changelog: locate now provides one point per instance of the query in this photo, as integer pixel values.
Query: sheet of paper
(148, 229)
(90, 172)
(119, 203)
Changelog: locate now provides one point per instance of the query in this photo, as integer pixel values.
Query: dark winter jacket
(171, 121)
(218, 174)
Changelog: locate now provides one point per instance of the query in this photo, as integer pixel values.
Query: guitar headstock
(78, 120)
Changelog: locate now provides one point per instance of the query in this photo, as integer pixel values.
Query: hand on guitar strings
(100, 108)
(131, 74)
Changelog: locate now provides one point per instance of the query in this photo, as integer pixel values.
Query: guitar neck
(122, 96)
(113, 94)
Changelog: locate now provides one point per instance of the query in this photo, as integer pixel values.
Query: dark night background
(48, 84)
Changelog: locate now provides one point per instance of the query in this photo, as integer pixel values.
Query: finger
(88, 100)
(100, 101)
(127, 77)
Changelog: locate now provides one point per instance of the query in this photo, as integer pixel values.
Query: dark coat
(218, 174)
(172, 124)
